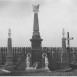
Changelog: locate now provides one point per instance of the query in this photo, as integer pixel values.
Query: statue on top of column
(9, 33)
(63, 33)
(36, 8)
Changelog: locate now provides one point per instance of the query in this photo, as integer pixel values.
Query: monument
(36, 47)
(64, 54)
(9, 58)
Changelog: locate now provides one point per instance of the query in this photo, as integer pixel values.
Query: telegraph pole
(68, 44)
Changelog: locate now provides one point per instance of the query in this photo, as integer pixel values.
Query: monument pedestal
(9, 64)
(37, 57)
(65, 63)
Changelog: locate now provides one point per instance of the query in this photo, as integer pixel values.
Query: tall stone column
(9, 57)
(64, 53)
(36, 50)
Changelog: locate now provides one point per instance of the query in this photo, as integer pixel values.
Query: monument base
(9, 66)
(37, 57)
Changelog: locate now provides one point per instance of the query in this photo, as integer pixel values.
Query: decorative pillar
(64, 53)
(9, 57)
(36, 47)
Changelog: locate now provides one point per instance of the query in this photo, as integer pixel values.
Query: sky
(54, 15)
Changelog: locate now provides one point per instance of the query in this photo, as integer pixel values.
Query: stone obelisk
(64, 53)
(9, 57)
(36, 50)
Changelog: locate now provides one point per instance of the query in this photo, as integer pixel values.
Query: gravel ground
(42, 73)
